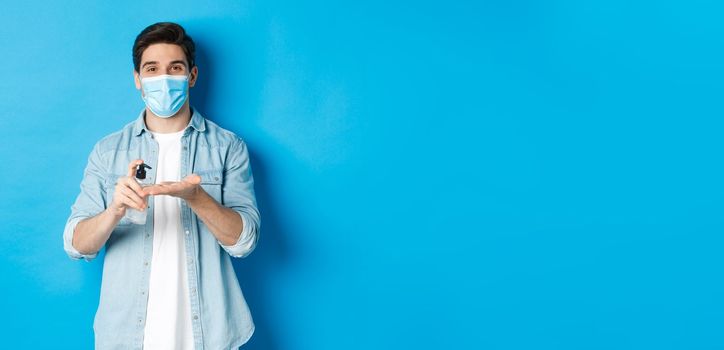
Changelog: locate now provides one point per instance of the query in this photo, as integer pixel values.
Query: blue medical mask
(165, 94)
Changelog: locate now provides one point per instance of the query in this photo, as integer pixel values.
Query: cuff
(246, 242)
(68, 241)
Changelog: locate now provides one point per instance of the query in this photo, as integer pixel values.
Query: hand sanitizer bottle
(135, 216)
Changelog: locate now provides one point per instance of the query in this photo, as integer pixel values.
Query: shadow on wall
(267, 259)
(271, 252)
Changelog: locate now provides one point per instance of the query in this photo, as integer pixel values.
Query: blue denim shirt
(220, 315)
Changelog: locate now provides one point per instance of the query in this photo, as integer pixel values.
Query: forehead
(163, 53)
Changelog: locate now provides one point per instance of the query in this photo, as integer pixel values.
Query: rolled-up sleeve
(90, 202)
(238, 194)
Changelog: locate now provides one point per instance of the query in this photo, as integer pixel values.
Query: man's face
(160, 59)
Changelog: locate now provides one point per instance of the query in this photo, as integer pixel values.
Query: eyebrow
(148, 62)
(156, 62)
(178, 61)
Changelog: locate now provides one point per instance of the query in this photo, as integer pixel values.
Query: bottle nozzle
(141, 170)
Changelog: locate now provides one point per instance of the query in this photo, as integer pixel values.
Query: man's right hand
(128, 193)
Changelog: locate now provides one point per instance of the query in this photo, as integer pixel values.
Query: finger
(133, 184)
(134, 197)
(156, 189)
(132, 167)
(149, 190)
(128, 202)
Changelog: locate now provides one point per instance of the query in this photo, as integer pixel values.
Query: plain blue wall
(453, 175)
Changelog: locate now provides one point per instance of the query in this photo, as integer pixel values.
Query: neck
(175, 123)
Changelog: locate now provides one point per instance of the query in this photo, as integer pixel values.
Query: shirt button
(145, 263)
(191, 261)
(148, 235)
(196, 317)
(187, 231)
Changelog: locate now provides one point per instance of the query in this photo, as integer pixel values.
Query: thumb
(132, 167)
(193, 179)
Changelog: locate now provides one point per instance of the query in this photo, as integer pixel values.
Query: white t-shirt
(168, 317)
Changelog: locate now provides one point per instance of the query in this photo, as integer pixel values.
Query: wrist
(114, 213)
(196, 196)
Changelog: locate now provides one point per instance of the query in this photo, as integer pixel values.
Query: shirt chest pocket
(211, 182)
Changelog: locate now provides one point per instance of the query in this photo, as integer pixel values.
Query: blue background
(454, 175)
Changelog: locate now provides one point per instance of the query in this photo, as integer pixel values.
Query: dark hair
(166, 33)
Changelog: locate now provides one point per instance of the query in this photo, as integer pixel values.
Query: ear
(137, 80)
(194, 75)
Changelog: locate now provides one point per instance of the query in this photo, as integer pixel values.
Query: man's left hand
(188, 188)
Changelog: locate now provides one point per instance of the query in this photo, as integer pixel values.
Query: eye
(151, 69)
(177, 68)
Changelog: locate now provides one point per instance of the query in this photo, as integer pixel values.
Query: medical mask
(165, 94)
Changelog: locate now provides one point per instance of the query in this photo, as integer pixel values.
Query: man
(168, 283)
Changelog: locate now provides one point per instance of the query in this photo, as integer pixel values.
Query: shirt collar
(197, 122)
